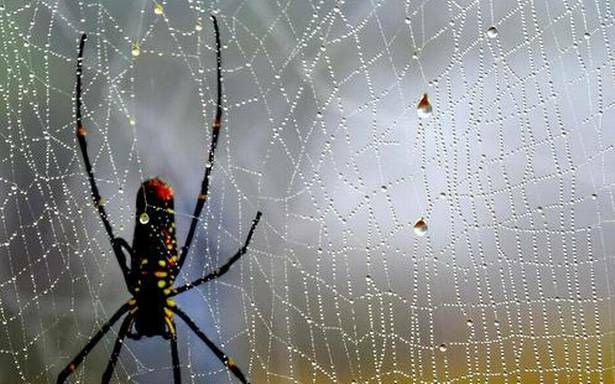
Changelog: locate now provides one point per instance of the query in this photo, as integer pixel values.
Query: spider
(154, 260)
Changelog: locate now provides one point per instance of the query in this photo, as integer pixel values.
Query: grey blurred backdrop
(512, 171)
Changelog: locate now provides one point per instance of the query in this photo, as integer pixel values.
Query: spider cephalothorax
(155, 260)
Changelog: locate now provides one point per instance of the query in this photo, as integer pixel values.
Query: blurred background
(462, 239)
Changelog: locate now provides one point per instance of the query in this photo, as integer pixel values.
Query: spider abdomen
(155, 260)
(153, 316)
(154, 263)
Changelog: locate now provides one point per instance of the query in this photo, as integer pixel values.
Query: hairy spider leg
(118, 244)
(121, 335)
(70, 368)
(202, 197)
(228, 361)
(177, 375)
(225, 268)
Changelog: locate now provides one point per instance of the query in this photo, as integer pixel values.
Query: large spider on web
(154, 263)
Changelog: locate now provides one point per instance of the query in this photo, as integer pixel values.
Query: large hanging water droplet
(420, 227)
(144, 218)
(136, 50)
(492, 32)
(423, 109)
(442, 347)
(158, 9)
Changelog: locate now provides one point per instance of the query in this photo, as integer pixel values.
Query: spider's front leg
(215, 132)
(81, 132)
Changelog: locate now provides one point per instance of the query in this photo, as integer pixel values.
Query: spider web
(511, 172)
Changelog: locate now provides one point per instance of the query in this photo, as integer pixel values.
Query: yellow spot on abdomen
(230, 362)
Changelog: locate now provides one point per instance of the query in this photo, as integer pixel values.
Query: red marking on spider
(162, 190)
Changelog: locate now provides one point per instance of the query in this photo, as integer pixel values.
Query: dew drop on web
(144, 218)
(423, 108)
(420, 227)
(492, 32)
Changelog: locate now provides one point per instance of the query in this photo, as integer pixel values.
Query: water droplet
(423, 108)
(594, 196)
(383, 188)
(442, 347)
(469, 322)
(198, 27)
(587, 35)
(420, 227)
(144, 218)
(158, 9)
(492, 32)
(407, 20)
(136, 50)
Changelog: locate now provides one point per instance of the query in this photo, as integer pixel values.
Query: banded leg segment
(70, 368)
(106, 378)
(177, 376)
(210, 158)
(83, 145)
(226, 360)
(225, 268)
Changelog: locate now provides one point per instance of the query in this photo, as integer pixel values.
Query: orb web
(435, 177)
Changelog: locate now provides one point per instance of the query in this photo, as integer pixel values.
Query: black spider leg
(81, 132)
(92, 343)
(106, 378)
(177, 375)
(226, 360)
(212, 149)
(225, 268)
